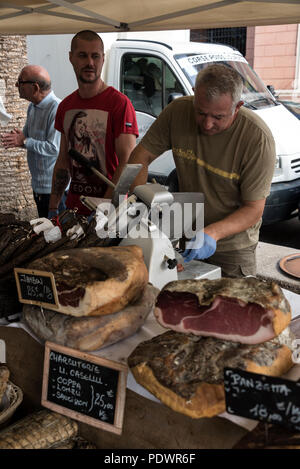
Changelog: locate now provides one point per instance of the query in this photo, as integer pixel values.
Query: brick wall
(15, 188)
(275, 55)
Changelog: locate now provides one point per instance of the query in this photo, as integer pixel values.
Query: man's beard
(90, 80)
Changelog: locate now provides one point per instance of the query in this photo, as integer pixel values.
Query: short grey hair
(43, 84)
(219, 79)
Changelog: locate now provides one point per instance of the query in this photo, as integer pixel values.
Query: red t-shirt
(91, 127)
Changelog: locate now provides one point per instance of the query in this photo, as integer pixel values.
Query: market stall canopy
(59, 16)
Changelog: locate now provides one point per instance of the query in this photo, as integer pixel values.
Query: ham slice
(246, 310)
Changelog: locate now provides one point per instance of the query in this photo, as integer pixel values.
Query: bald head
(38, 74)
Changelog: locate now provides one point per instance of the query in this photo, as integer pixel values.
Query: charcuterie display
(185, 369)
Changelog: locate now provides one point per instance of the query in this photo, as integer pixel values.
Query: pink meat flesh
(226, 318)
(69, 297)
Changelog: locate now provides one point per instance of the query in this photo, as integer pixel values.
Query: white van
(153, 73)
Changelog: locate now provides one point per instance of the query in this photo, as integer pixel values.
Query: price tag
(36, 287)
(259, 397)
(84, 387)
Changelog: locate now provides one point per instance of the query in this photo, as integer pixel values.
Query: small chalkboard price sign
(36, 287)
(265, 398)
(84, 387)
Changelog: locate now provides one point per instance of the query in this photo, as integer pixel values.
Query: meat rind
(90, 333)
(185, 372)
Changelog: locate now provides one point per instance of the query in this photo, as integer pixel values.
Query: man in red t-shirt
(96, 120)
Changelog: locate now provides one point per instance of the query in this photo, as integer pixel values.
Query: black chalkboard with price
(265, 398)
(36, 287)
(84, 387)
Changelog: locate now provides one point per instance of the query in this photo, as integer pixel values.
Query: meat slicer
(154, 219)
(151, 217)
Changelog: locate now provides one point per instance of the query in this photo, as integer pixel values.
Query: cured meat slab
(185, 371)
(245, 310)
(90, 333)
(95, 281)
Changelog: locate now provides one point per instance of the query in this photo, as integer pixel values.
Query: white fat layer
(286, 337)
(262, 335)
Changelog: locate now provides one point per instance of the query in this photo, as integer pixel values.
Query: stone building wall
(15, 181)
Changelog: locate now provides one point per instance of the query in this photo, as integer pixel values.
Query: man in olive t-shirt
(226, 152)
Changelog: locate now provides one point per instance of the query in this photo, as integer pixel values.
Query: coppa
(68, 382)
(245, 310)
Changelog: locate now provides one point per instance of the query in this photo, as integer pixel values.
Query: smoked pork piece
(95, 281)
(41, 430)
(245, 310)
(90, 333)
(186, 371)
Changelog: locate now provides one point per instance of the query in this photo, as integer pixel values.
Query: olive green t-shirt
(233, 166)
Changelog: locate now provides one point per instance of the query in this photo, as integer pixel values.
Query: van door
(150, 84)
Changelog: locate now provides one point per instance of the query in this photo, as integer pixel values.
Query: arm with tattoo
(60, 182)
(61, 175)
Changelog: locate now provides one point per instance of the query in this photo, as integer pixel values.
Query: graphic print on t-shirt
(85, 131)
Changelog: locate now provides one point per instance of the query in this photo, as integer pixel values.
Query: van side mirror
(173, 96)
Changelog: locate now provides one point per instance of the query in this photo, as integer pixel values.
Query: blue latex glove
(200, 247)
(52, 213)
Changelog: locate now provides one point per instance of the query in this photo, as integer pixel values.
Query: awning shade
(59, 16)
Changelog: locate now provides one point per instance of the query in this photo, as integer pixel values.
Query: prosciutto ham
(246, 310)
(95, 281)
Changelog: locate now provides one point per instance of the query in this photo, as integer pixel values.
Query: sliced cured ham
(245, 310)
(97, 280)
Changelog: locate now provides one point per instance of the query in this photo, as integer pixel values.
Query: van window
(255, 94)
(148, 82)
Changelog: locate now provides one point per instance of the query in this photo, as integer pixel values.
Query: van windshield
(255, 94)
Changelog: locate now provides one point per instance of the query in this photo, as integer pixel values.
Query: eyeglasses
(22, 82)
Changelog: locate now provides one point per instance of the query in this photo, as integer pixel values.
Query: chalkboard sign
(36, 287)
(259, 397)
(84, 387)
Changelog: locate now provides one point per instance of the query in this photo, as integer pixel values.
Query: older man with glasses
(38, 136)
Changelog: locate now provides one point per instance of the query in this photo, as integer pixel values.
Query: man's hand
(200, 247)
(13, 139)
(52, 213)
